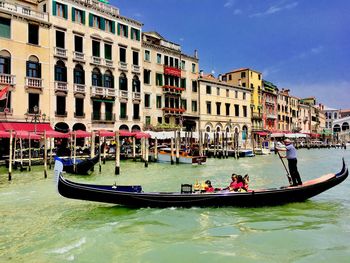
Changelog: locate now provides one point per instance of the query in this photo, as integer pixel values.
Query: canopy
(277, 134)
(295, 135)
(25, 126)
(55, 134)
(80, 133)
(104, 133)
(4, 134)
(262, 133)
(27, 135)
(126, 133)
(140, 135)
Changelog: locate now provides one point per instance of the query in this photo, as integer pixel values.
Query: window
(123, 111)
(6, 103)
(166, 60)
(61, 105)
(60, 71)
(208, 107)
(218, 108)
(227, 107)
(146, 76)
(96, 78)
(135, 58)
(122, 54)
(123, 82)
(159, 58)
(244, 95)
(183, 83)
(193, 68)
(60, 10)
(147, 55)
(78, 44)
(159, 102)
(136, 87)
(108, 80)
(79, 75)
(136, 111)
(148, 120)
(230, 77)
(184, 104)
(33, 34)
(243, 84)
(33, 102)
(218, 91)
(245, 111)
(147, 100)
(171, 62)
(5, 27)
(208, 89)
(160, 120)
(243, 75)
(108, 51)
(194, 86)
(122, 30)
(183, 64)
(95, 48)
(109, 26)
(33, 69)
(135, 34)
(236, 110)
(159, 79)
(78, 16)
(5, 64)
(96, 21)
(227, 93)
(194, 106)
(236, 94)
(60, 39)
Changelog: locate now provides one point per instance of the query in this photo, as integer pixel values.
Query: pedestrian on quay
(291, 155)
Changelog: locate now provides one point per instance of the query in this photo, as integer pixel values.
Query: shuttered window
(5, 27)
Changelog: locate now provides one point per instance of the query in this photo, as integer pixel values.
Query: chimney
(201, 73)
(195, 53)
(220, 77)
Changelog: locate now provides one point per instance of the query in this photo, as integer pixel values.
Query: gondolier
(291, 155)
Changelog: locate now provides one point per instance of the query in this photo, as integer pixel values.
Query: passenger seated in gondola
(196, 187)
(209, 188)
(238, 183)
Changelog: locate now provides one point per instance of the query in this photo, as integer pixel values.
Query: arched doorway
(124, 127)
(345, 126)
(62, 127)
(136, 128)
(82, 127)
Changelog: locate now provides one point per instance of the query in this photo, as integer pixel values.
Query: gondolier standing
(291, 155)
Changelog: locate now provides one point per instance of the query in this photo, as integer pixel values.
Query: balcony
(100, 117)
(96, 60)
(110, 92)
(97, 91)
(173, 111)
(123, 66)
(271, 116)
(136, 96)
(60, 52)
(104, 8)
(79, 88)
(176, 72)
(123, 94)
(135, 68)
(35, 83)
(172, 90)
(256, 116)
(6, 79)
(61, 86)
(5, 111)
(23, 11)
(79, 56)
(109, 63)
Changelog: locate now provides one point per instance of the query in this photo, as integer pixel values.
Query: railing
(110, 92)
(124, 94)
(61, 86)
(109, 63)
(136, 68)
(100, 117)
(96, 60)
(109, 116)
(22, 10)
(34, 83)
(97, 91)
(101, 7)
(60, 52)
(167, 110)
(271, 116)
(79, 56)
(136, 96)
(123, 65)
(79, 88)
(256, 115)
(4, 110)
(6, 79)
(172, 89)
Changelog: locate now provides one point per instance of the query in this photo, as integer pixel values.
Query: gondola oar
(288, 175)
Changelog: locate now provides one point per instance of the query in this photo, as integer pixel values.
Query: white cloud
(276, 8)
(229, 3)
(182, 39)
(237, 12)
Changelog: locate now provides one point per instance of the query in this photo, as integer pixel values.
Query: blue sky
(303, 45)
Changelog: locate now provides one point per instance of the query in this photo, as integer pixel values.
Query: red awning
(140, 135)
(25, 126)
(27, 135)
(126, 133)
(103, 133)
(262, 133)
(55, 134)
(80, 133)
(4, 134)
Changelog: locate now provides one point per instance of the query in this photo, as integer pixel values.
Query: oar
(288, 175)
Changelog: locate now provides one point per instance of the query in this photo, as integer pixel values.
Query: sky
(301, 45)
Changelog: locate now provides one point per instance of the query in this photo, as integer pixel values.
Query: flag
(3, 93)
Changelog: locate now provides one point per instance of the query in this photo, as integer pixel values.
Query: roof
(243, 69)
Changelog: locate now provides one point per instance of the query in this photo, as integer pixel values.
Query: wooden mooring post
(156, 149)
(177, 146)
(117, 154)
(45, 155)
(10, 156)
(171, 150)
(92, 147)
(146, 151)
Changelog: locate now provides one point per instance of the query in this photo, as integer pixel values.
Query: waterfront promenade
(38, 225)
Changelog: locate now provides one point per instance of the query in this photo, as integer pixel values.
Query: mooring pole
(30, 155)
(146, 152)
(171, 150)
(117, 154)
(156, 149)
(45, 156)
(10, 156)
(177, 146)
(92, 147)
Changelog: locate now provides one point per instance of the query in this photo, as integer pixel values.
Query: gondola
(82, 167)
(133, 196)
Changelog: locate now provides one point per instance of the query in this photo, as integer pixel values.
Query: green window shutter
(91, 20)
(83, 17)
(138, 35)
(113, 27)
(102, 23)
(73, 14)
(65, 11)
(118, 29)
(126, 31)
(132, 33)
(54, 8)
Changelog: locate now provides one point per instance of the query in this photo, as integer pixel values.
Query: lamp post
(35, 118)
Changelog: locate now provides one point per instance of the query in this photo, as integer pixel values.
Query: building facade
(269, 102)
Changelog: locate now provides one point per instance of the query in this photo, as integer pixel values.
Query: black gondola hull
(257, 198)
(83, 167)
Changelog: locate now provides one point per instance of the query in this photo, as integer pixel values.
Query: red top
(209, 189)
(236, 185)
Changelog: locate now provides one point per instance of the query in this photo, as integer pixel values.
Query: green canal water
(38, 225)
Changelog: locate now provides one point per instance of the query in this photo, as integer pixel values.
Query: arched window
(136, 84)
(345, 126)
(79, 75)
(60, 71)
(96, 78)
(5, 62)
(108, 80)
(123, 82)
(33, 67)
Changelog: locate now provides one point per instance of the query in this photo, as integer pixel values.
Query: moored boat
(133, 196)
(164, 155)
(81, 167)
